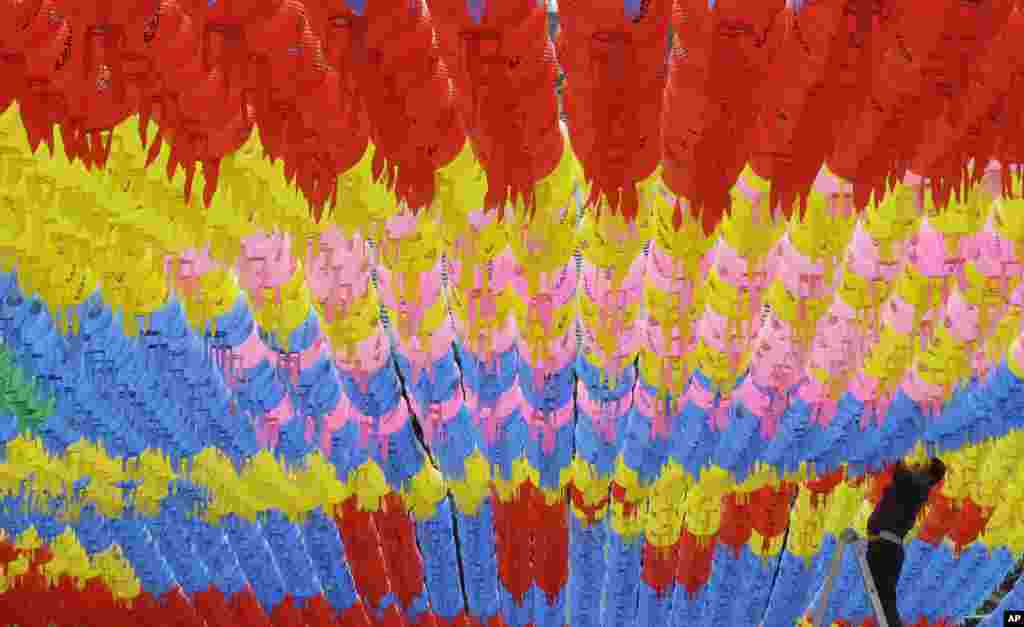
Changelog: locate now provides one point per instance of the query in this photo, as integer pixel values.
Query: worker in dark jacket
(889, 523)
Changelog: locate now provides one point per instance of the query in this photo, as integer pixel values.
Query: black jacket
(903, 499)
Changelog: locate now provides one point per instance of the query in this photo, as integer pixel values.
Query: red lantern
(17, 17)
(1009, 147)
(202, 126)
(341, 105)
(100, 606)
(968, 31)
(391, 52)
(98, 32)
(791, 138)
(659, 566)
(317, 612)
(736, 526)
(146, 610)
(618, 495)
(8, 553)
(391, 616)
(287, 57)
(615, 71)
(33, 590)
(40, 557)
(224, 27)
(284, 57)
(20, 16)
(551, 545)
(504, 69)
(95, 104)
(330, 135)
(968, 523)
(513, 544)
(354, 616)
(68, 609)
(1004, 119)
(247, 609)
(339, 30)
(870, 144)
(720, 57)
(937, 519)
(695, 558)
(947, 72)
(970, 128)
(824, 485)
(287, 614)
(177, 605)
(26, 602)
(168, 40)
(362, 550)
(213, 608)
(402, 556)
(47, 46)
(279, 32)
(95, 602)
(769, 509)
(300, 104)
(138, 69)
(590, 512)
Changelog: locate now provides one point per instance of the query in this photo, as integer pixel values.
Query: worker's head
(918, 460)
(933, 467)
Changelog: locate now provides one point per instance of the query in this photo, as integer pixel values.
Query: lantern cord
(778, 563)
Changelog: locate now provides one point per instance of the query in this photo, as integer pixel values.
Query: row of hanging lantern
(879, 90)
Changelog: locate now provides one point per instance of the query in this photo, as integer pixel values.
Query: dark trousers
(886, 561)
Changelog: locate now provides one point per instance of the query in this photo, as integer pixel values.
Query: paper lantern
(769, 508)
(166, 42)
(598, 44)
(971, 128)
(737, 525)
(204, 115)
(968, 522)
(696, 557)
(787, 144)
(1009, 148)
(496, 58)
(706, 119)
(402, 76)
(938, 519)
(824, 485)
(888, 120)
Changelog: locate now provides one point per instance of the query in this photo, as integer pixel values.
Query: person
(888, 525)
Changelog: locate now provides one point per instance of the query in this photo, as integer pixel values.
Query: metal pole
(837, 559)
